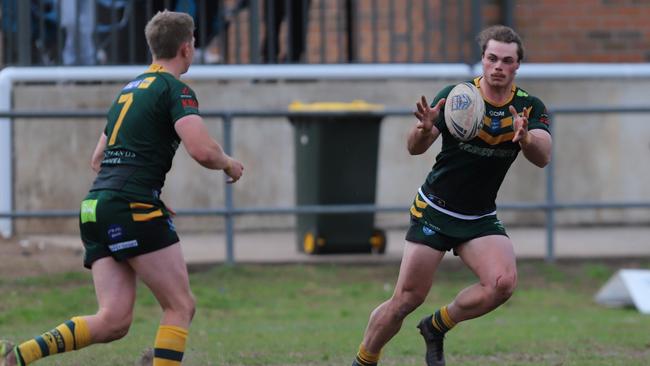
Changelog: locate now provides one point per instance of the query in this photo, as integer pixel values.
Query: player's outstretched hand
(234, 170)
(427, 115)
(520, 125)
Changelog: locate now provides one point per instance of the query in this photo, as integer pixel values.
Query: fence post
(507, 12)
(229, 218)
(253, 31)
(477, 25)
(6, 154)
(550, 201)
(24, 33)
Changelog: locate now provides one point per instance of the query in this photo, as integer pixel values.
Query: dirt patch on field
(24, 257)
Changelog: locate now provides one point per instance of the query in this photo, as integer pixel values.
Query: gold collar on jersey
(156, 68)
(513, 88)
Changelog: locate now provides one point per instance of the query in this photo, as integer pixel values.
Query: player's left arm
(531, 132)
(98, 154)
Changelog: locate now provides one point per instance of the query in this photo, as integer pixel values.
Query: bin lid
(353, 106)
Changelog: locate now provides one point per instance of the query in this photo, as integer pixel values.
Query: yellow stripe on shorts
(419, 203)
(147, 216)
(415, 212)
(140, 205)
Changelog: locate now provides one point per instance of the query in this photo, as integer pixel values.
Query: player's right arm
(204, 149)
(98, 154)
(424, 132)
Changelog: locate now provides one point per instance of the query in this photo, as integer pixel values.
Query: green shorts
(444, 232)
(122, 226)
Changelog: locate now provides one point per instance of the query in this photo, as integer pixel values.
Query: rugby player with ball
(485, 123)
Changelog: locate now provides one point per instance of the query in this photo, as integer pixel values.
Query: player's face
(500, 63)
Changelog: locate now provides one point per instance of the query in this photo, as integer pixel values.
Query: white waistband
(451, 213)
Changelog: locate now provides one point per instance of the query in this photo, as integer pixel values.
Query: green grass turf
(316, 315)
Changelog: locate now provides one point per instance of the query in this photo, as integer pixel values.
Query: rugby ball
(464, 111)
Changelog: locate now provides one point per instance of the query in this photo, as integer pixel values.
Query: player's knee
(187, 307)
(119, 331)
(115, 326)
(504, 287)
(184, 307)
(406, 302)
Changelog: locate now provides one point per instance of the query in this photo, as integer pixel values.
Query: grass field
(315, 315)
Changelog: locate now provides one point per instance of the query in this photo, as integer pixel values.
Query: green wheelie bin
(336, 164)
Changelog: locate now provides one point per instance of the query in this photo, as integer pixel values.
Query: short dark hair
(500, 33)
(167, 31)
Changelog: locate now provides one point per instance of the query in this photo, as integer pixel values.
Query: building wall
(554, 30)
(437, 31)
(585, 30)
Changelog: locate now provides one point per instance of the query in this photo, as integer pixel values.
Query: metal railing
(111, 32)
(549, 205)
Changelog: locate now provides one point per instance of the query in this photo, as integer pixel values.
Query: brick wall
(585, 30)
(441, 31)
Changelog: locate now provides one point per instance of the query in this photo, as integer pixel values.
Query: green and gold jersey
(467, 175)
(141, 139)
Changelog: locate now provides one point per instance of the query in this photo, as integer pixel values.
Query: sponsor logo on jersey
(115, 232)
(497, 113)
(487, 152)
(140, 84)
(123, 245)
(119, 154)
(499, 225)
(172, 227)
(544, 118)
(186, 93)
(189, 103)
(112, 161)
(88, 211)
(427, 231)
(436, 200)
(495, 124)
(112, 157)
(429, 225)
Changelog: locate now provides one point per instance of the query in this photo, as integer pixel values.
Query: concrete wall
(598, 156)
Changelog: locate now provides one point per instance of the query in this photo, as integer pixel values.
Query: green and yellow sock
(442, 321)
(170, 346)
(365, 358)
(69, 336)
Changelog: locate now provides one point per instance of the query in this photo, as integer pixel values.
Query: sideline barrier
(12, 75)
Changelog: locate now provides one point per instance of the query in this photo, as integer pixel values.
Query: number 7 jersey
(141, 139)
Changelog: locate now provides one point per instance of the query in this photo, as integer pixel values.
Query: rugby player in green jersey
(126, 229)
(455, 209)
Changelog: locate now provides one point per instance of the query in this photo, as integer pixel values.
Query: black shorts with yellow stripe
(444, 232)
(122, 226)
